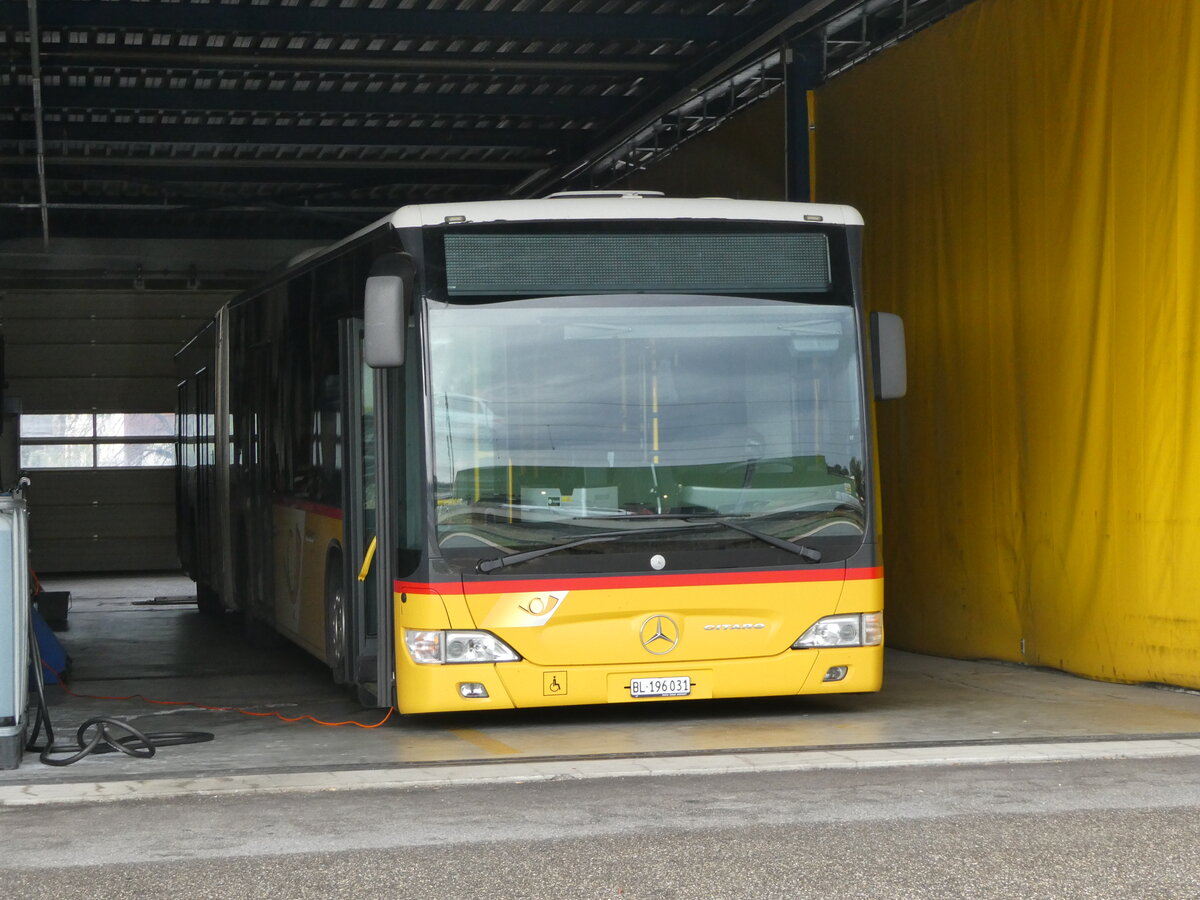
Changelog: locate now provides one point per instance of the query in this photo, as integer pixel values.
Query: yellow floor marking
(483, 742)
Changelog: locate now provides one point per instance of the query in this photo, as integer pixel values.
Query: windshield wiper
(714, 518)
(799, 549)
(491, 565)
(499, 562)
(512, 559)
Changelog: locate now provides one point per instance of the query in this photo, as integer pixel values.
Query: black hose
(43, 714)
(135, 743)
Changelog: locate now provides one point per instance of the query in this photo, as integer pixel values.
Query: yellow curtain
(1028, 173)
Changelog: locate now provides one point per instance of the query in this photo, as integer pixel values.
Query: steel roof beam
(35, 68)
(397, 24)
(254, 173)
(292, 101)
(206, 135)
(185, 59)
(159, 208)
(873, 25)
(94, 162)
(760, 36)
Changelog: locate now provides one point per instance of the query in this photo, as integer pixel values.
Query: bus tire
(209, 602)
(336, 619)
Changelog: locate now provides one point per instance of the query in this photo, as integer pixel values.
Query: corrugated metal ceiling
(305, 118)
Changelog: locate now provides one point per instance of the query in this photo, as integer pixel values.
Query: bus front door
(368, 654)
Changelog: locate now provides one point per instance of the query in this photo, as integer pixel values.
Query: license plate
(675, 686)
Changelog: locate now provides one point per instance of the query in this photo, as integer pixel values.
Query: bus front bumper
(514, 685)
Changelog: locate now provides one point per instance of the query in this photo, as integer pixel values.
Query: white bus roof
(617, 205)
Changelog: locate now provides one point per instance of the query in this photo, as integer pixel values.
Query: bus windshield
(558, 417)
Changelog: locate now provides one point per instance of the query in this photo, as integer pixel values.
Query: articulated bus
(580, 450)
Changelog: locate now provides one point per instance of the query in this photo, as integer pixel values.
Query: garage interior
(1028, 184)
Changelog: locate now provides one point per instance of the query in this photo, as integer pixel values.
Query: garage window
(97, 440)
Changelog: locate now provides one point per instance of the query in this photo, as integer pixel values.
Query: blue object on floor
(54, 655)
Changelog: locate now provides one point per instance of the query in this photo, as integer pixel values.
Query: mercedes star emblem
(659, 635)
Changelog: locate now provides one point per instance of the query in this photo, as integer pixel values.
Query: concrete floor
(138, 636)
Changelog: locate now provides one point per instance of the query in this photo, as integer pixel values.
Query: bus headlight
(859, 630)
(438, 647)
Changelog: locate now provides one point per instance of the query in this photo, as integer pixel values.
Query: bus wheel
(209, 602)
(336, 618)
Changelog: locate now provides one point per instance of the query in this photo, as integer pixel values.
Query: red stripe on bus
(329, 512)
(600, 582)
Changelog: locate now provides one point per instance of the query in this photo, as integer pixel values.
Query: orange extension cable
(244, 712)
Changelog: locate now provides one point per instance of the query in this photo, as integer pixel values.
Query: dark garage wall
(96, 330)
(99, 351)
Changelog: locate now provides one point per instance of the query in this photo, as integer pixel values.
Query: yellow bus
(594, 448)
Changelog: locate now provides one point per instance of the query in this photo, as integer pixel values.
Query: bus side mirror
(385, 310)
(889, 361)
